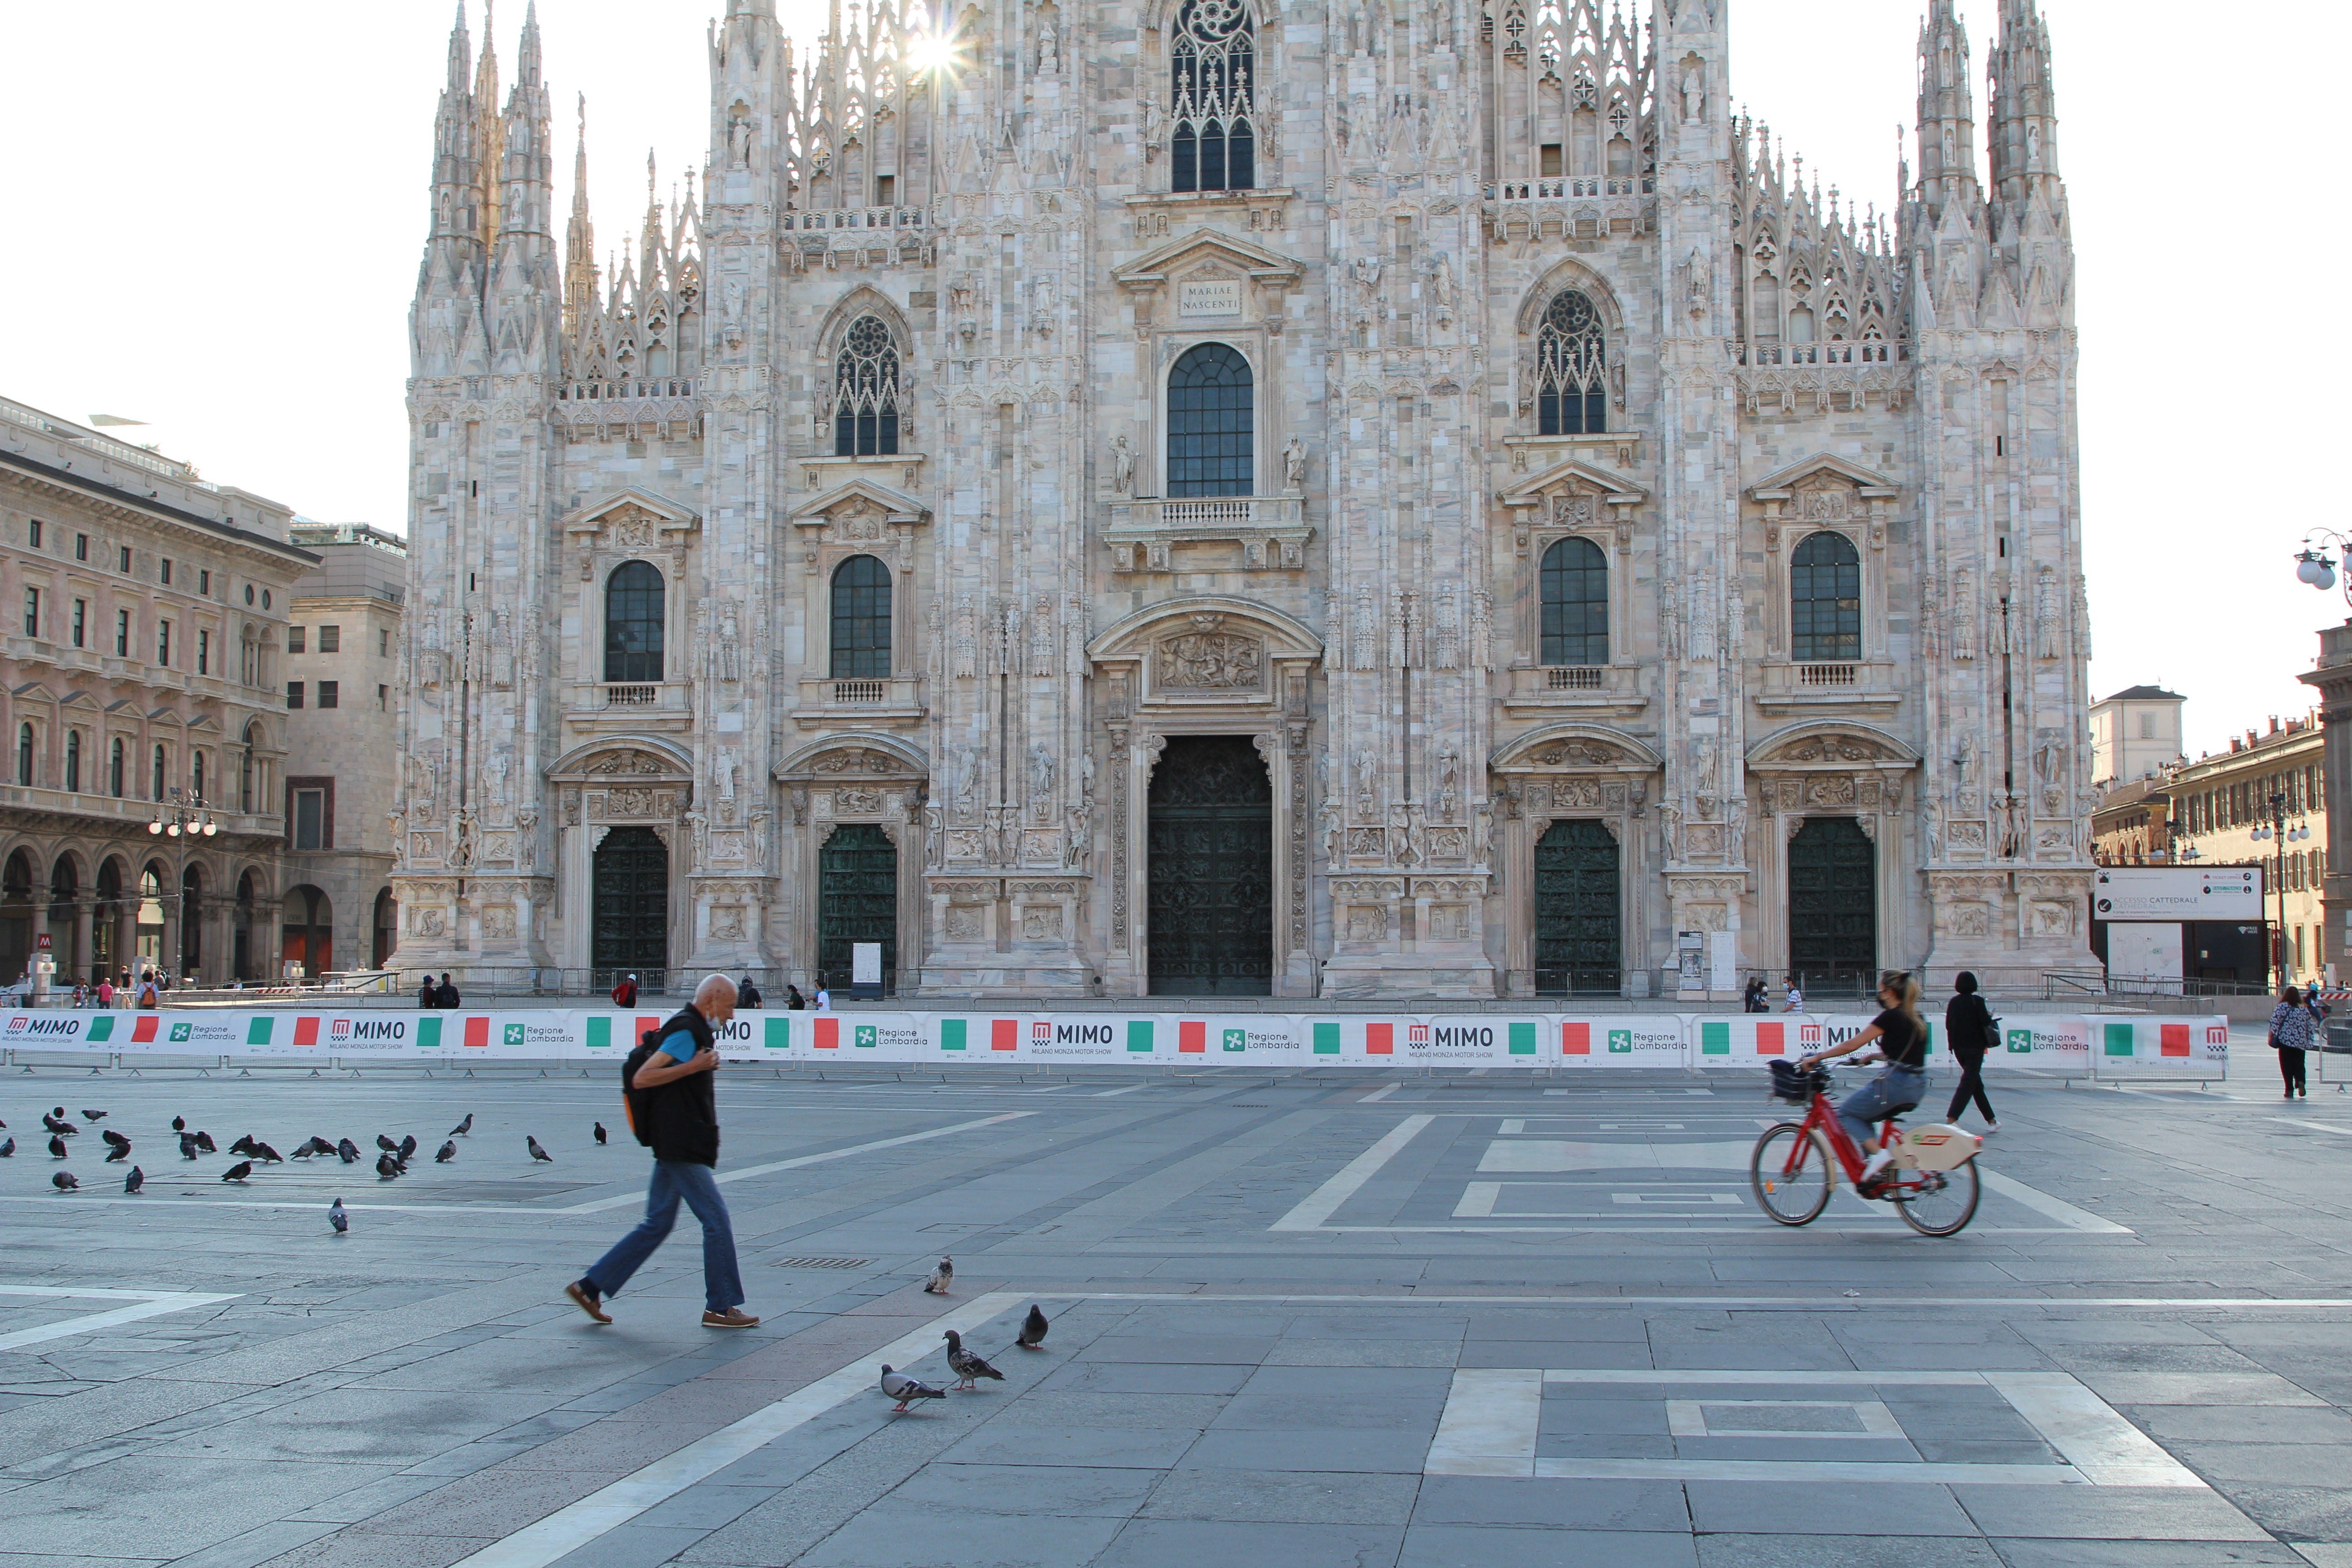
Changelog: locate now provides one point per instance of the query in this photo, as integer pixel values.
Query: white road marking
(1324, 1201)
(1841, 1472)
(1479, 1201)
(143, 1304)
(2315, 1126)
(601, 1511)
(1490, 1424)
(1114, 1093)
(2109, 1450)
(1381, 1093)
(2043, 1204)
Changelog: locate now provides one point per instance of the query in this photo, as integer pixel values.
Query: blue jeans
(722, 1287)
(1866, 1107)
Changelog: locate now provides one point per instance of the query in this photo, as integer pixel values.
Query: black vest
(684, 1112)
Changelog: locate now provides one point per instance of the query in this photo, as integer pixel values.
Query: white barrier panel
(1837, 1028)
(1618, 1040)
(2059, 1045)
(1754, 1037)
(2159, 1048)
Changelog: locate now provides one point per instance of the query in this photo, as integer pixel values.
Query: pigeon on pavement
(7, 1149)
(348, 1152)
(386, 1144)
(59, 1125)
(89, 1115)
(967, 1365)
(309, 1147)
(407, 1150)
(338, 1218)
(244, 1145)
(179, 1125)
(112, 1139)
(64, 1181)
(58, 1148)
(448, 1153)
(265, 1154)
(600, 1132)
(118, 1152)
(536, 1152)
(205, 1142)
(941, 1277)
(1032, 1330)
(187, 1145)
(237, 1171)
(386, 1167)
(135, 1181)
(464, 1129)
(898, 1385)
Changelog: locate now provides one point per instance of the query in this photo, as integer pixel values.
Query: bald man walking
(677, 1111)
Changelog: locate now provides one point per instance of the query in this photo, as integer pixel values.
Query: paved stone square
(1311, 1318)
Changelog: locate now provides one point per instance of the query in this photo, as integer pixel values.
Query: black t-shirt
(1901, 1041)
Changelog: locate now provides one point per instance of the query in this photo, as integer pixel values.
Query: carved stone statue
(1041, 772)
(1122, 466)
(502, 767)
(1694, 93)
(1049, 49)
(1364, 770)
(739, 138)
(1294, 462)
(724, 775)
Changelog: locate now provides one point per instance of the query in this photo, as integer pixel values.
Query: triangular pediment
(630, 502)
(1616, 488)
(1778, 486)
(861, 496)
(1156, 267)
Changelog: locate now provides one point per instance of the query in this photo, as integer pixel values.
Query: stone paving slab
(418, 1391)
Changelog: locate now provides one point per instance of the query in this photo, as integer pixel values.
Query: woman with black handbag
(2290, 1036)
(1970, 1028)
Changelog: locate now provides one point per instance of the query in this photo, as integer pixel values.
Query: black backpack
(634, 1100)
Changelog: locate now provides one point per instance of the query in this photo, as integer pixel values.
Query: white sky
(223, 209)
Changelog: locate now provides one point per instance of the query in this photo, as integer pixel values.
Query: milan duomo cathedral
(1374, 499)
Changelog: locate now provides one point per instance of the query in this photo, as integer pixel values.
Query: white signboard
(2177, 893)
(2144, 949)
(866, 963)
(1209, 297)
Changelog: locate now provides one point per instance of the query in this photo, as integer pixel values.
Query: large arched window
(1575, 589)
(861, 619)
(632, 624)
(1825, 599)
(866, 391)
(1572, 368)
(1213, 82)
(1210, 419)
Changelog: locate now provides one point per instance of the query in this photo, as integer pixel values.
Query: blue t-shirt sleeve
(679, 1047)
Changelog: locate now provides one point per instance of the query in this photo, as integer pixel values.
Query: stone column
(77, 968)
(2332, 677)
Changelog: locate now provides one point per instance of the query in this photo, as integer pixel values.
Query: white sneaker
(1876, 1164)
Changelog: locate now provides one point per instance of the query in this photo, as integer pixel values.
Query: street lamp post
(2275, 829)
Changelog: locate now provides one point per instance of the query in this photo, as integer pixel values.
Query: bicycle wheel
(1792, 1197)
(1946, 1204)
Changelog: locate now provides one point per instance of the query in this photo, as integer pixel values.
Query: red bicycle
(1932, 1183)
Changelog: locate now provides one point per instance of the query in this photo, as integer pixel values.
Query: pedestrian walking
(823, 996)
(1752, 1000)
(1969, 1030)
(445, 994)
(624, 993)
(105, 991)
(428, 994)
(149, 997)
(794, 1001)
(746, 993)
(674, 1110)
(1794, 1001)
(2290, 1036)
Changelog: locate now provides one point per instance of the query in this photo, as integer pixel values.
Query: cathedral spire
(1947, 144)
(489, 135)
(579, 237)
(2024, 114)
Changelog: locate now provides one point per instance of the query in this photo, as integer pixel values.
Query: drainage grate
(821, 1262)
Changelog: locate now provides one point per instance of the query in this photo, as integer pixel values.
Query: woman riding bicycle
(1901, 1041)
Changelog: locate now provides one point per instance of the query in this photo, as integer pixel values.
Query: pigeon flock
(968, 1364)
(392, 1161)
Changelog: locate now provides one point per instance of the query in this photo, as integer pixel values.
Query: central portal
(1210, 869)
(856, 900)
(631, 922)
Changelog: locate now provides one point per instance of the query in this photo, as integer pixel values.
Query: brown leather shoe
(733, 1318)
(587, 1300)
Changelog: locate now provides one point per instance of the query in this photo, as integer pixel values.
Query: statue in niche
(1155, 126)
(739, 137)
(1363, 785)
(725, 773)
(1294, 462)
(1122, 465)
(1049, 48)
(1694, 93)
(1449, 781)
(501, 766)
(968, 787)
(1441, 282)
(1041, 774)
(729, 640)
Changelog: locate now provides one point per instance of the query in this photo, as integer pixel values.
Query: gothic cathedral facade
(1227, 496)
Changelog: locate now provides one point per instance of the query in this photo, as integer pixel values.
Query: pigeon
(338, 1218)
(348, 1152)
(407, 1150)
(94, 1115)
(536, 1152)
(205, 1142)
(59, 1126)
(187, 1146)
(263, 1153)
(135, 1181)
(179, 1125)
(1032, 1330)
(237, 1171)
(58, 1148)
(113, 1138)
(898, 1385)
(600, 1132)
(309, 1146)
(119, 1152)
(448, 1153)
(64, 1181)
(941, 1277)
(386, 1144)
(967, 1365)
(244, 1145)
(464, 1129)
(386, 1167)
(7, 1149)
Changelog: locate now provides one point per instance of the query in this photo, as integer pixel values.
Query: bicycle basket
(1796, 1085)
